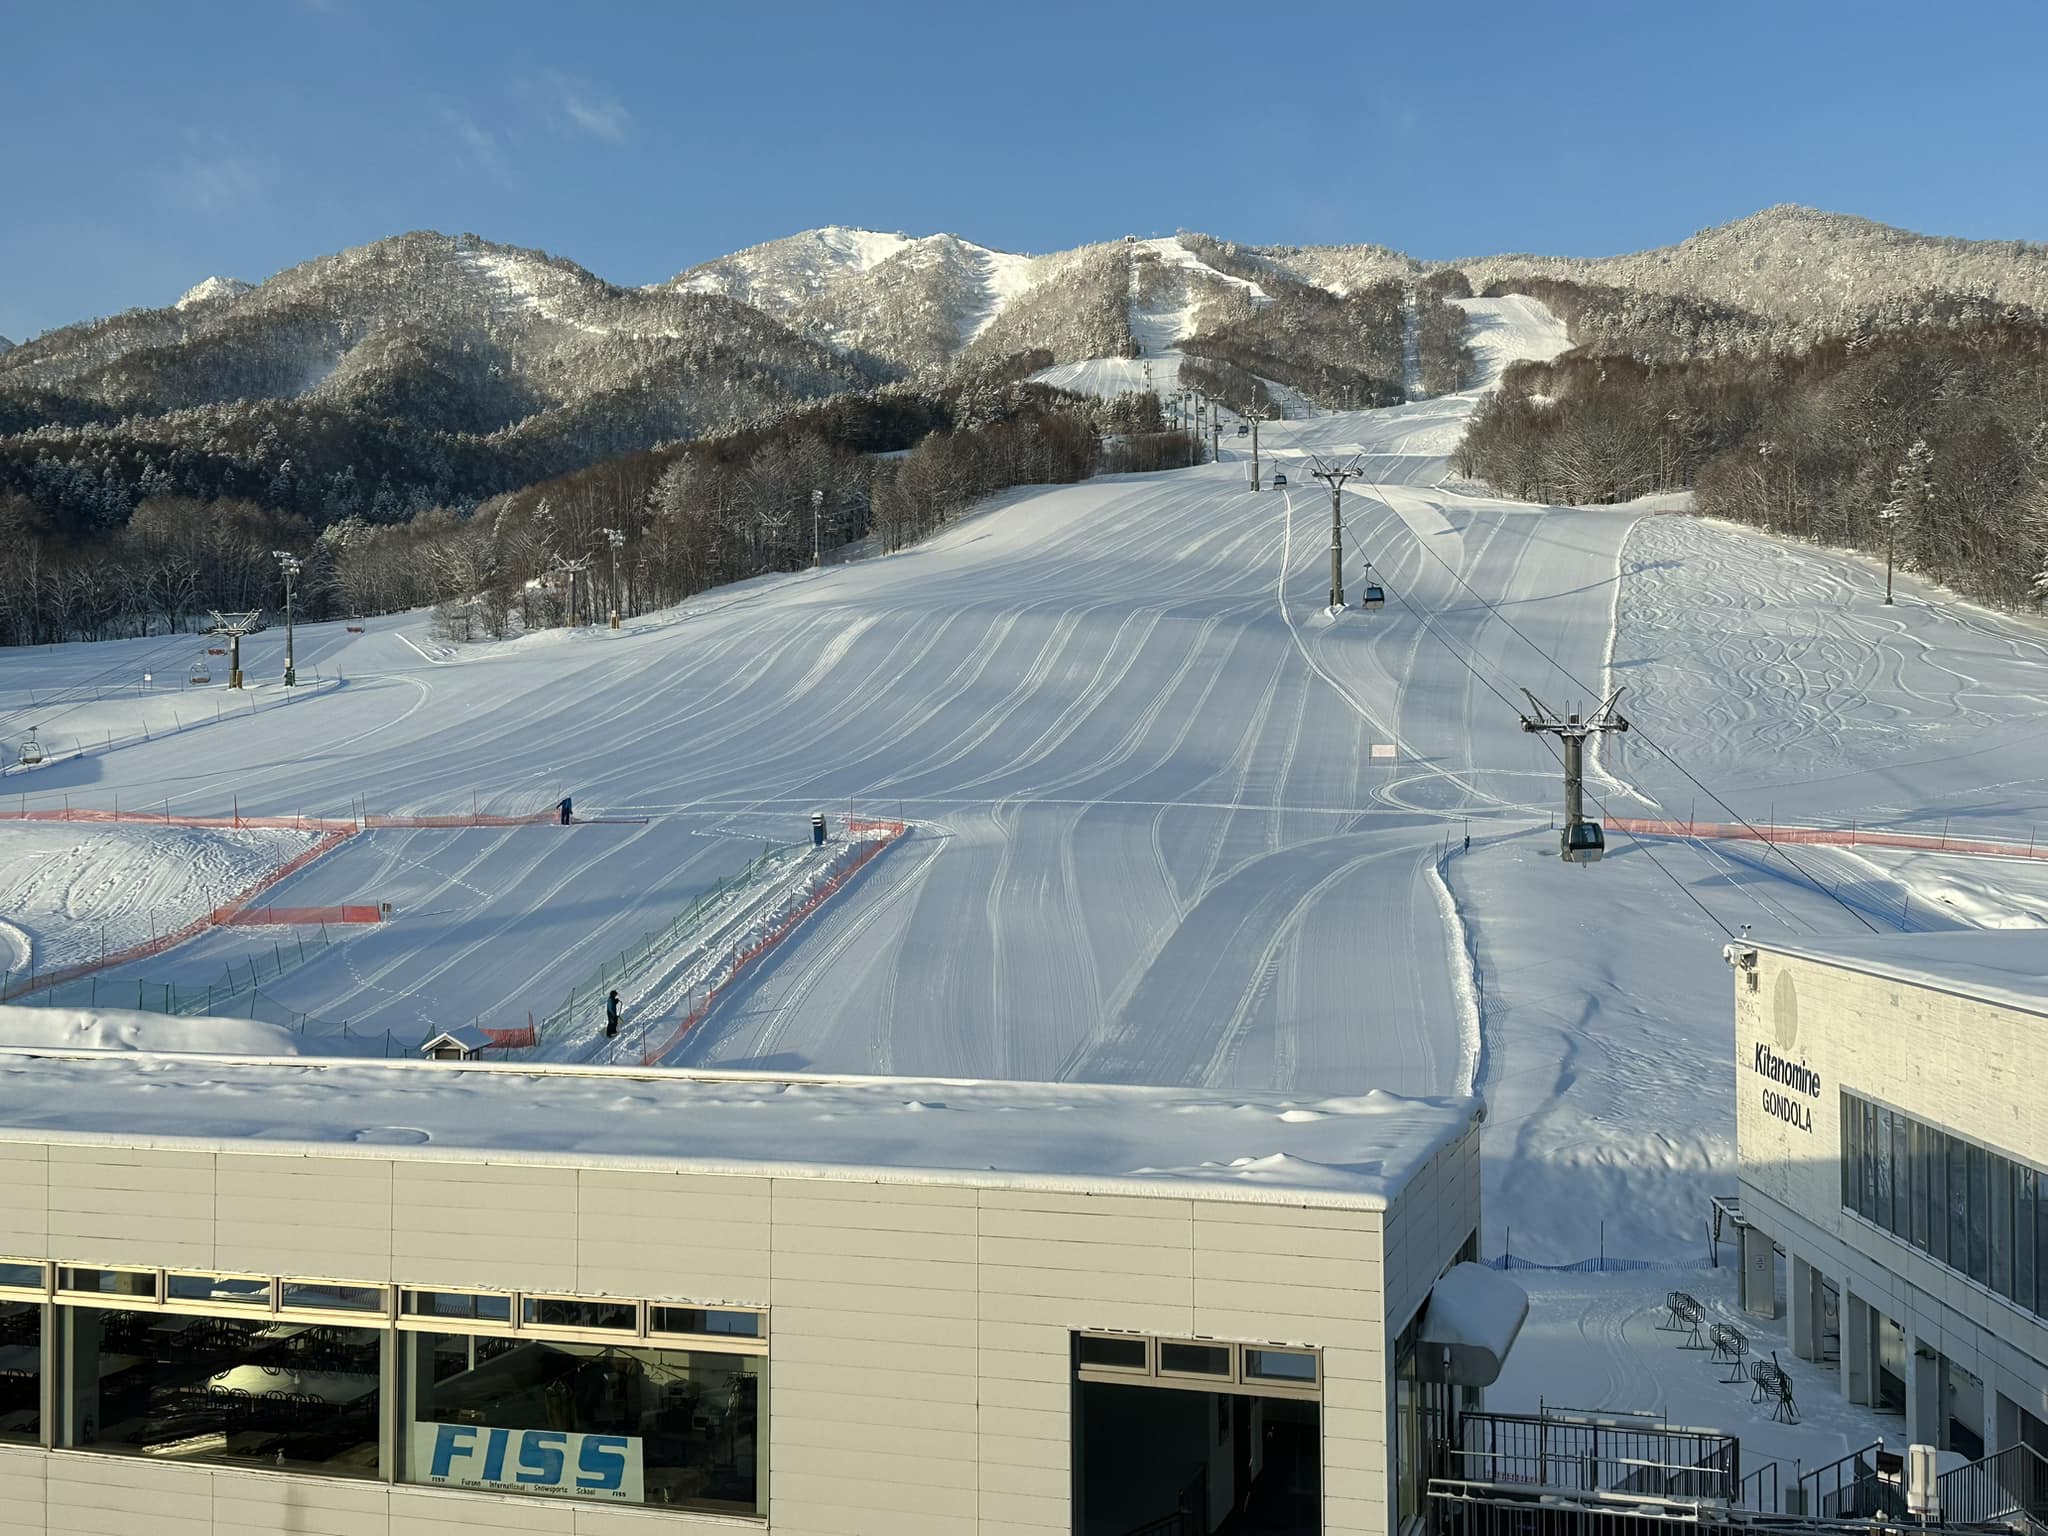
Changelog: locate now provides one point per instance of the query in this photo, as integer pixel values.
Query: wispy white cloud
(476, 145)
(572, 106)
(212, 173)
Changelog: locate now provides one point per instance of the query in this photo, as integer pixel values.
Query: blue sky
(149, 145)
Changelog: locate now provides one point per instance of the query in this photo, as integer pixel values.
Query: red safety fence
(291, 823)
(309, 917)
(1851, 836)
(876, 835)
(36, 981)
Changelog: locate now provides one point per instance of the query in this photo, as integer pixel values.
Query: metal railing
(2009, 1487)
(1461, 1508)
(1585, 1453)
(1851, 1488)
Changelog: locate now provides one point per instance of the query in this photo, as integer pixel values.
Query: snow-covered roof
(1353, 1152)
(468, 1036)
(2006, 966)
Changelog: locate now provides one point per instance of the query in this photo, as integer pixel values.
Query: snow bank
(124, 1029)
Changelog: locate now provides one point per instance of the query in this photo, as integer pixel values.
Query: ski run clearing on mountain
(1149, 839)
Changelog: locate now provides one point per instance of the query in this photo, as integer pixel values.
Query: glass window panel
(2023, 1217)
(1958, 1205)
(1280, 1365)
(1118, 1354)
(27, 1276)
(1902, 1176)
(1195, 1359)
(738, 1325)
(2001, 1225)
(1923, 1141)
(250, 1390)
(140, 1283)
(1980, 1218)
(469, 1306)
(1881, 1213)
(613, 1422)
(219, 1290)
(332, 1296)
(1852, 1153)
(21, 1371)
(567, 1312)
(1868, 1204)
(1937, 1194)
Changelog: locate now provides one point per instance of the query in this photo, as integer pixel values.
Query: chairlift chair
(1582, 842)
(31, 750)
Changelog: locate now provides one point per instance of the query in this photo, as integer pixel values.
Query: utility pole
(1912, 472)
(615, 537)
(817, 505)
(291, 565)
(234, 626)
(1582, 841)
(1215, 433)
(1335, 478)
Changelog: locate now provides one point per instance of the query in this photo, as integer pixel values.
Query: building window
(1974, 1210)
(457, 1306)
(211, 1387)
(21, 1371)
(580, 1419)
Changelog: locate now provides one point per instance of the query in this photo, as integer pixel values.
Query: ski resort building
(380, 1298)
(1892, 1121)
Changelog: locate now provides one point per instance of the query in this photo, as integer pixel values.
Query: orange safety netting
(257, 917)
(1851, 836)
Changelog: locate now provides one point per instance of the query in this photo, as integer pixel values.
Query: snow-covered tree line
(1815, 446)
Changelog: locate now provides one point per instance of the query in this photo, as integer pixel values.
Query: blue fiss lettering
(540, 1458)
(494, 1455)
(450, 1440)
(601, 1463)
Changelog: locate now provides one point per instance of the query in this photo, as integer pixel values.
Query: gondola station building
(1892, 1128)
(388, 1299)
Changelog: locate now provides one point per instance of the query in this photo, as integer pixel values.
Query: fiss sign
(528, 1461)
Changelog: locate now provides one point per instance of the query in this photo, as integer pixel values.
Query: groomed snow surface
(1149, 842)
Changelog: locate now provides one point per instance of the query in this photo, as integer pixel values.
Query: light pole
(1890, 518)
(617, 539)
(817, 506)
(292, 565)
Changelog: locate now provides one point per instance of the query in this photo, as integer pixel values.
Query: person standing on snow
(611, 1015)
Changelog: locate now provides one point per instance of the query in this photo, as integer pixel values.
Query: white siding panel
(23, 1491)
(276, 1506)
(110, 1496)
(24, 1200)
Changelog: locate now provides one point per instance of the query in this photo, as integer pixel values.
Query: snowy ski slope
(1149, 840)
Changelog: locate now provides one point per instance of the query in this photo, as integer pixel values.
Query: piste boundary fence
(1851, 836)
(655, 941)
(853, 858)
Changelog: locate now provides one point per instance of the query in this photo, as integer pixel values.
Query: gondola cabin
(1582, 843)
(1375, 597)
(201, 672)
(31, 752)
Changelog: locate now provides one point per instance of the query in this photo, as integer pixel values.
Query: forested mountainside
(429, 373)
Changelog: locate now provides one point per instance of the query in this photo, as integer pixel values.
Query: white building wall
(1972, 1068)
(918, 1375)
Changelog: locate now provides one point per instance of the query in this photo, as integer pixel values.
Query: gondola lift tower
(1582, 841)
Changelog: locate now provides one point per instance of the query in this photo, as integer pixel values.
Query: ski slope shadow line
(221, 916)
(1851, 836)
(875, 837)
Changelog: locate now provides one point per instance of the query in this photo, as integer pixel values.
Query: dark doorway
(1171, 1461)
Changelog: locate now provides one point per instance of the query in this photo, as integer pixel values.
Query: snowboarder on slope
(611, 1015)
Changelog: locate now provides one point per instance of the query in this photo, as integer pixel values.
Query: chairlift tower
(617, 539)
(1582, 841)
(1254, 415)
(572, 569)
(291, 565)
(234, 626)
(1335, 478)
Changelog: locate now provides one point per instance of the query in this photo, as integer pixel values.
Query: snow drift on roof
(1353, 1152)
(2008, 967)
